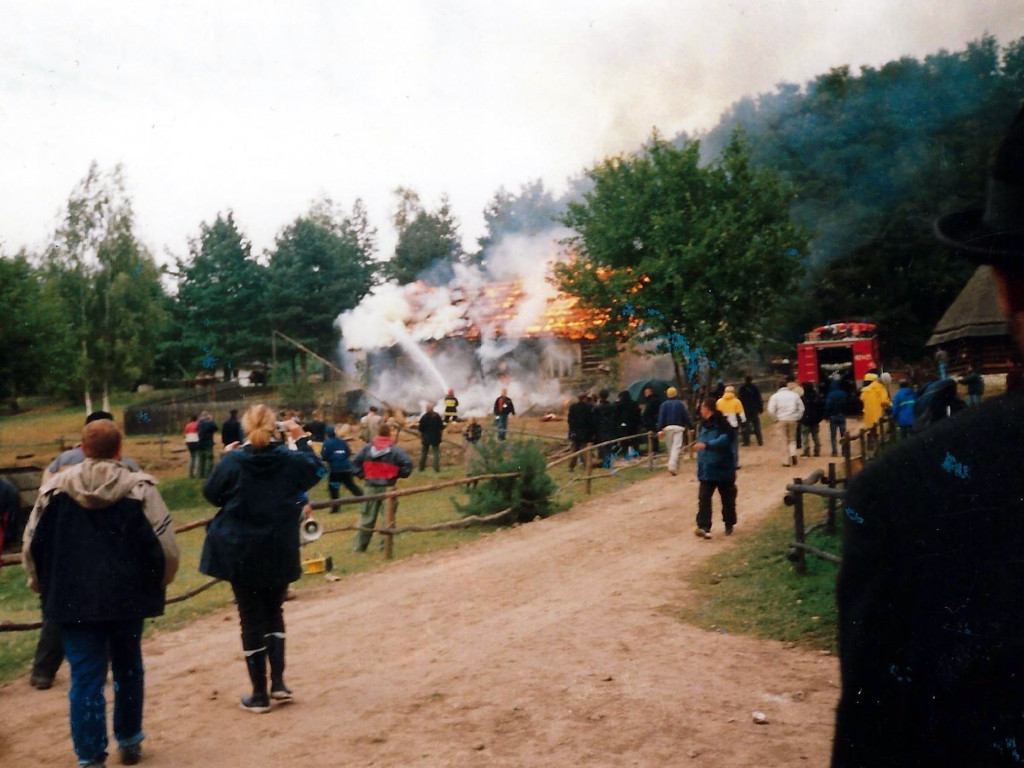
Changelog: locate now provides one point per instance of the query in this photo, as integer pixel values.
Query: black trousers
(49, 651)
(338, 479)
(727, 492)
(260, 612)
(577, 445)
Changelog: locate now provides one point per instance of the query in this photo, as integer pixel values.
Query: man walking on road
(673, 421)
(753, 407)
(786, 407)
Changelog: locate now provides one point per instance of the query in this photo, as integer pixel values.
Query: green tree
(690, 258)
(321, 265)
(426, 240)
(530, 212)
(222, 302)
(33, 332)
(108, 283)
(874, 157)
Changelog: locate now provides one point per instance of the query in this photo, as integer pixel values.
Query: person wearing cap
(336, 453)
(875, 398)
(673, 421)
(253, 540)
(451, 407)
(931, 631)
(731, 407)
(99, 548)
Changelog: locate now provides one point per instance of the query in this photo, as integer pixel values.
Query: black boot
(258, 702)
(275, 652)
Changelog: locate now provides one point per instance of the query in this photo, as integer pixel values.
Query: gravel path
(542, 645)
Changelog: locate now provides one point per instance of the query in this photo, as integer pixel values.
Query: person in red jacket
(380, 463)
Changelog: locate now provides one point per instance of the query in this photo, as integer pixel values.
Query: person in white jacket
(786, 407)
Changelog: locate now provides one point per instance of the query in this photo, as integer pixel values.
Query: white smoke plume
(462, 336)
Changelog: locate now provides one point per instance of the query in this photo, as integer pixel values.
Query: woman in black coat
(253, 542)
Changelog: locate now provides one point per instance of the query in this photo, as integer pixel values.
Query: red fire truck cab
(849, 349)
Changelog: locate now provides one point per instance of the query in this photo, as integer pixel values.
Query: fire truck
(849, 349)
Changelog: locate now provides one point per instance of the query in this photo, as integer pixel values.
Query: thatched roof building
(973, 331)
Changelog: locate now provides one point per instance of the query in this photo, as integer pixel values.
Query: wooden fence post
(798, 525)
(650, 450)
(588, 468)
(389, 522)
(830, 524)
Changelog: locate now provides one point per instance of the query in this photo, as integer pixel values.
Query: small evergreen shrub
(529, 495)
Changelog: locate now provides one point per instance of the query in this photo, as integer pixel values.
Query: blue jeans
(836, 425)
(90, 648)
(502, 420)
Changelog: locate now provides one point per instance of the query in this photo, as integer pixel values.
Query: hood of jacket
(381, 445)
(95, 483)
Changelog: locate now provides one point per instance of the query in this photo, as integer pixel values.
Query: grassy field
(754, 590)
(30, 439)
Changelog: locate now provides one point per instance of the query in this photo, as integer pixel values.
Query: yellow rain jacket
(731, 407)
(874, 396)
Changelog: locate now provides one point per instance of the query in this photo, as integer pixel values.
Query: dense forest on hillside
(875, 156)
(868, 159)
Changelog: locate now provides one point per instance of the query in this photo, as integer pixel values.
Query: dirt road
(537, 646)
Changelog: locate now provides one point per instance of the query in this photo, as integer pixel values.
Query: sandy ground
(541, 645)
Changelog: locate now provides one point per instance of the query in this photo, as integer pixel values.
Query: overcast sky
(262, 106)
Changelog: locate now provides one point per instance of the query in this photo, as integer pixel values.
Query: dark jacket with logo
(254, 538)
(337, 454)
(931, 631)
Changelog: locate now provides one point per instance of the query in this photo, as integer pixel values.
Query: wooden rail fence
(870, 443)
(389, 529)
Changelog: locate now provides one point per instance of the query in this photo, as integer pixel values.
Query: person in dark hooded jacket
(716, 468)
(810, 422)
(627, 420)
(99, 547)
(253, 541)
(606, 426)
